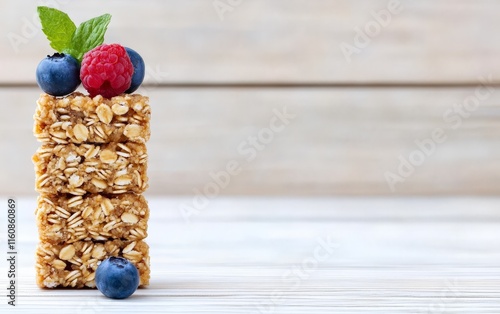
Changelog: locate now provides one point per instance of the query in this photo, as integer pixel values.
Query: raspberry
(106, 70)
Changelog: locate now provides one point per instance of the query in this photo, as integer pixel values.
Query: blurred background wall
(288, 97)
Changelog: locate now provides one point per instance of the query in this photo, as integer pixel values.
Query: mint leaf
(88, 35)
(57, 26)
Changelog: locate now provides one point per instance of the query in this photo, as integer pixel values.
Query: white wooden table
(242, 255)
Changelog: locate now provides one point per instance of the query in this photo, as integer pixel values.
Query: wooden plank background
(281, 40)
(213, 83)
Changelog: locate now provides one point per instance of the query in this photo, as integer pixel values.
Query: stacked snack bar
(90, 173)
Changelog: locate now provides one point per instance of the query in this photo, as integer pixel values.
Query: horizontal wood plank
(238, 254)
(339, 142)
(276, 41)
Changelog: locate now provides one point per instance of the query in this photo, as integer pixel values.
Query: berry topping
(58, 75)
(107, 71)
(139, 70)
(117, 278)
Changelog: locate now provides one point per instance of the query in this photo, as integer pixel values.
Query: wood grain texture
(341, 141)
(277, 41)
(391, 255)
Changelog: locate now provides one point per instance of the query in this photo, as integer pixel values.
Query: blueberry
(58, 75)
(139, 70)
(117, 278)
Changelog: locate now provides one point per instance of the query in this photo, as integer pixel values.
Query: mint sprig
(58, 27)
(65, 37)
(88, 35)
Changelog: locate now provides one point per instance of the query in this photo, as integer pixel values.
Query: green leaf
(88, 35)
(58, 27)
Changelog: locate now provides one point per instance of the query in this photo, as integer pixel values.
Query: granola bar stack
(90, 173)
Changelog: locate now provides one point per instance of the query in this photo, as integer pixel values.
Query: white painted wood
(341, 142)
(394, 255)
(277, 41)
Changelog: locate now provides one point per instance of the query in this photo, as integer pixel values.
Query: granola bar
(77, 119)
(67, 219)
(113, 168)
(74, 265)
